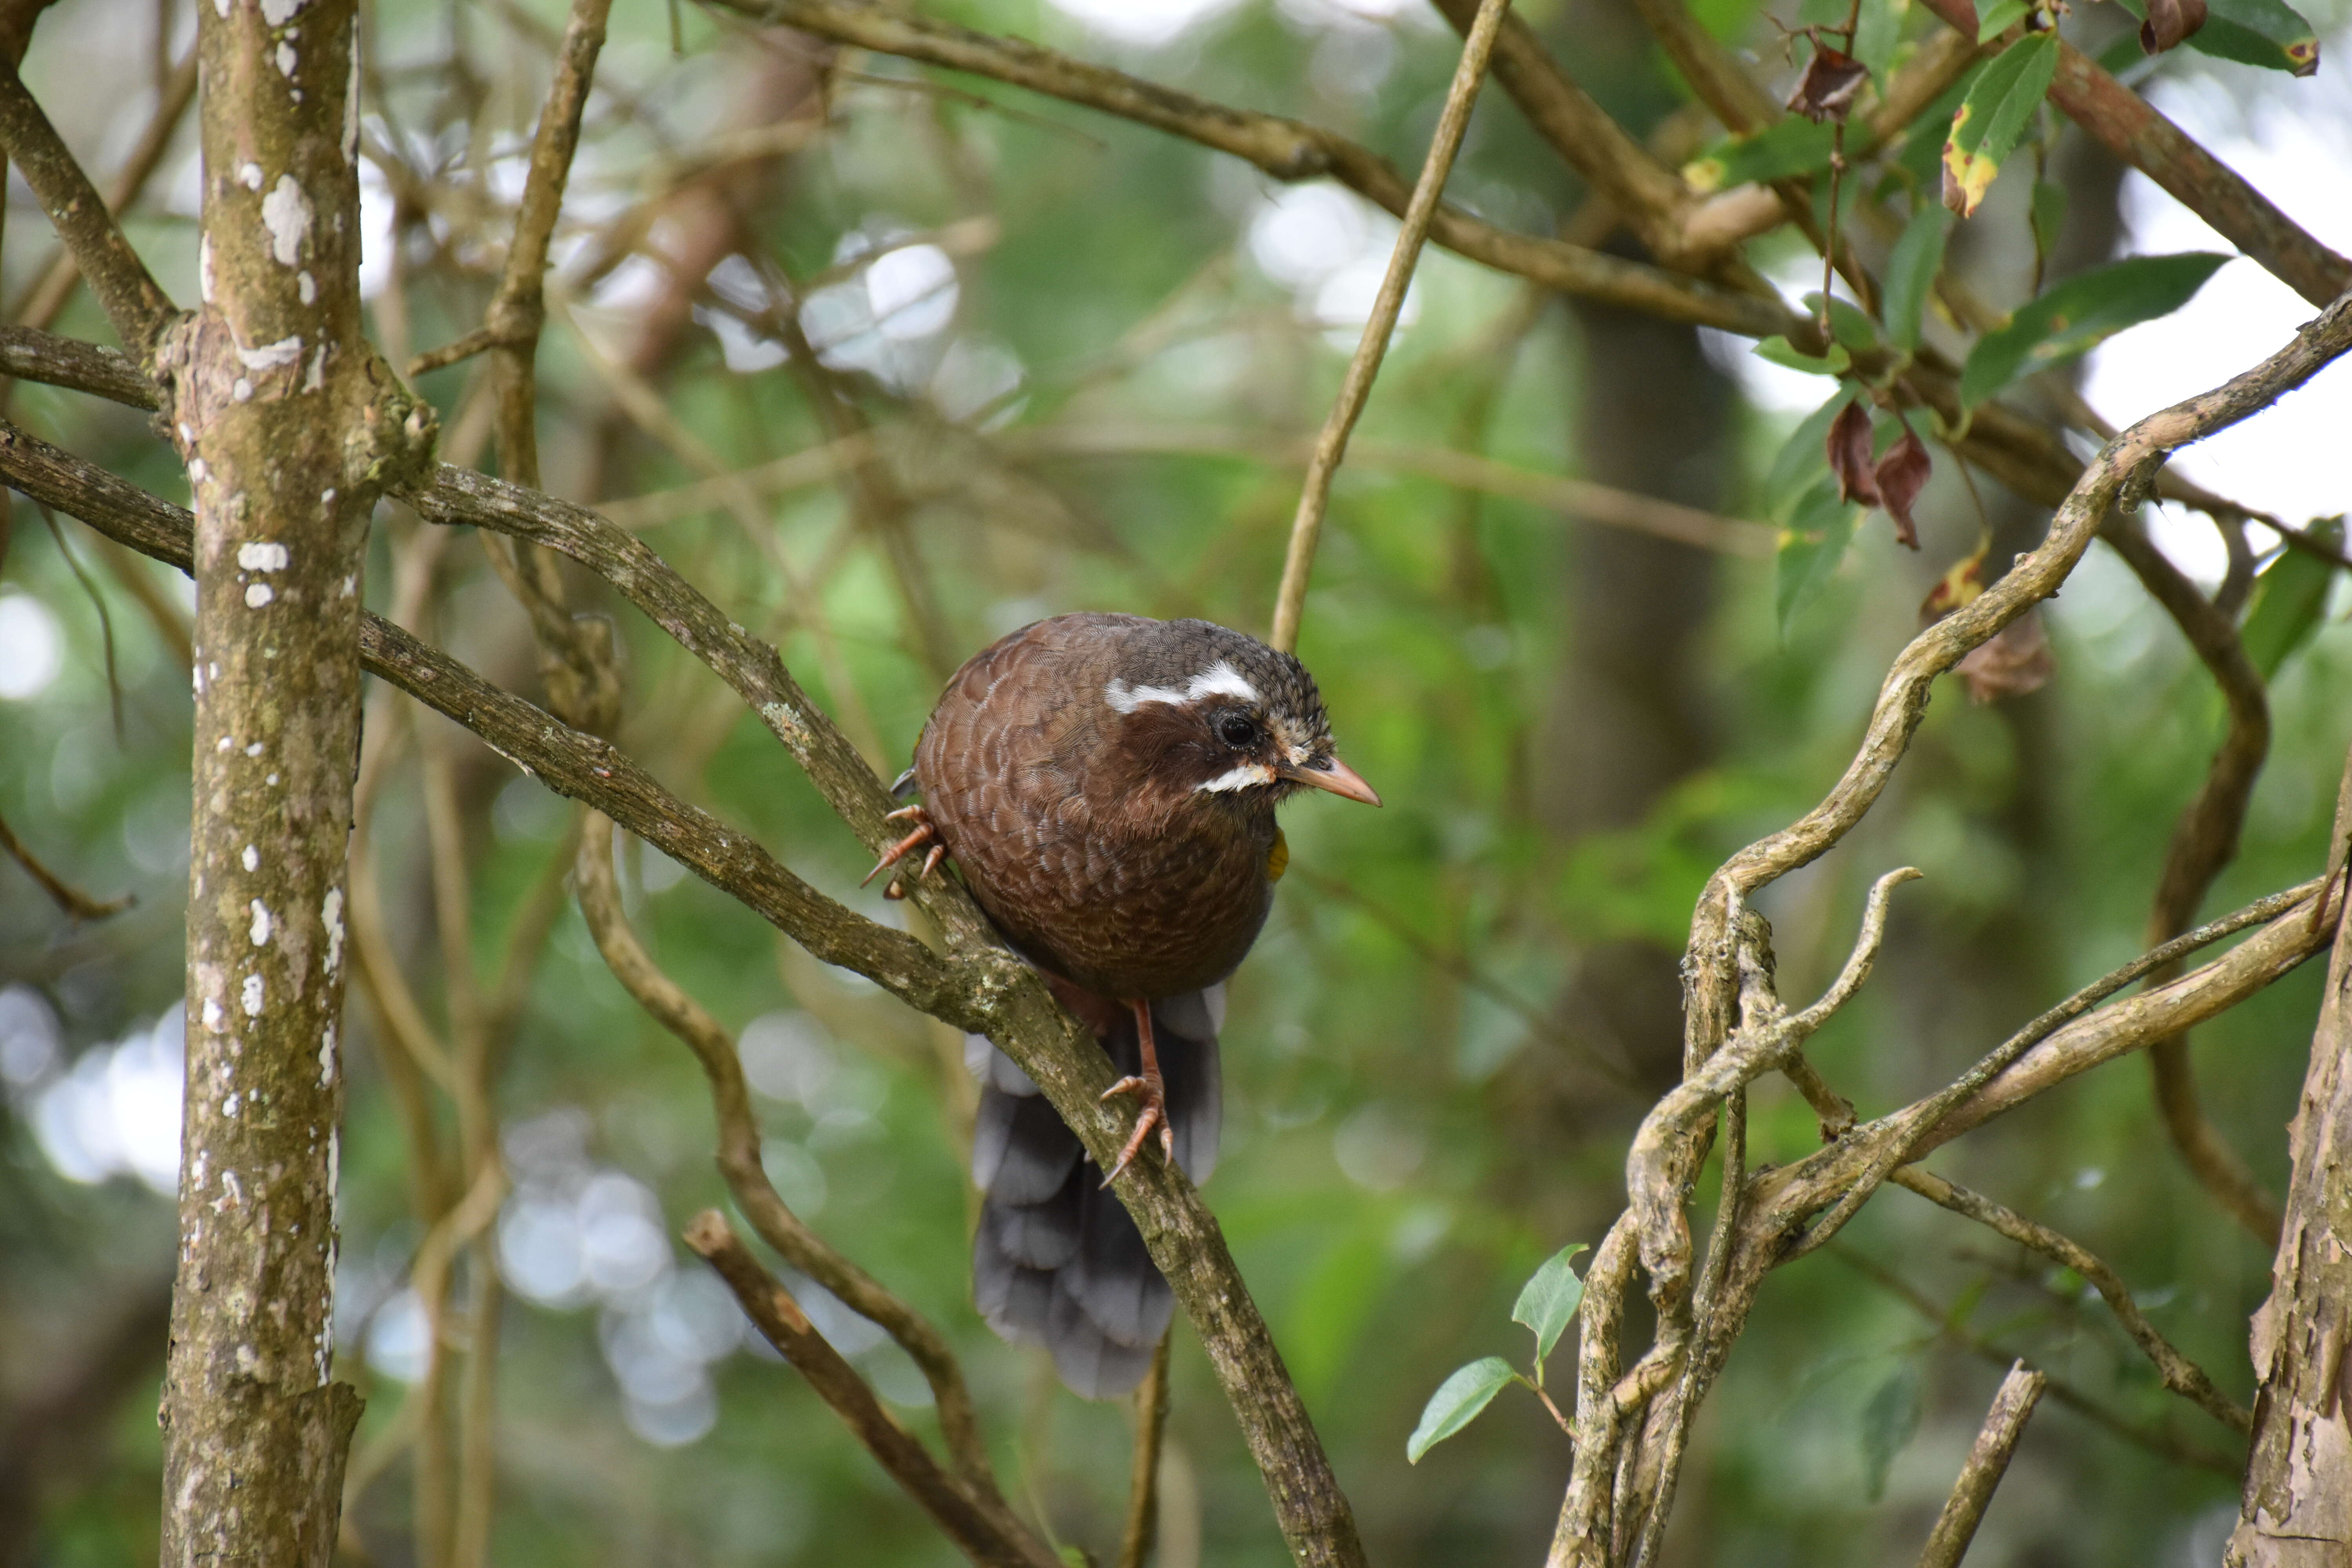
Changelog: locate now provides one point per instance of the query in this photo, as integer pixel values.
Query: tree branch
(739, 1154)
(1356, 387)
(1610, 1446)
(133, 300)
(2004, 1424)
(946, 1498)
(1286, 149)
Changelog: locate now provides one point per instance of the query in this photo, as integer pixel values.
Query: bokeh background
(1081, 359)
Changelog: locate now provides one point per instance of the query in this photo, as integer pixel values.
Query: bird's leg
(925, 832)
(1150, 1092)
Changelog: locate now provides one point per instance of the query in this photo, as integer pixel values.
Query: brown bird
(1106, 784)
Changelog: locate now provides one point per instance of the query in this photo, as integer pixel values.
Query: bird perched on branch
(1106, 784)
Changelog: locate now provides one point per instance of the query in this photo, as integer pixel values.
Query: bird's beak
(1336, 776)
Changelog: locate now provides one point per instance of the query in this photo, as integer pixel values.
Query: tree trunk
(290, 428)
(2296, 1511)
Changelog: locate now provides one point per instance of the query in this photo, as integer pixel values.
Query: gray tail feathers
(1057, 1262)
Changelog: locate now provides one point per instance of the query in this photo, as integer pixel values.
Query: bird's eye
(1236, 730)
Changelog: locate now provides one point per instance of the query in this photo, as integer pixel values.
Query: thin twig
(738, 1151)
(1142, 1533)
(77, 904)
(1332, 446)
(2004, 1424)
(2204, 840)
(2179, 1374)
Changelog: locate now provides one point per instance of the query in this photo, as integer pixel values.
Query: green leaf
(1549, 1298)
(1876, 32)
(1780, 351)
(1848, 325)
(2266, 33)
(2000, 17)
(1812, 545)
(1911, 274)
(1889, 1417)
(1794, 145)
(2290, 597)
(1922, 151)
(1993, 116)
(2082, 312)
(1457, 1403)
(1804, 460)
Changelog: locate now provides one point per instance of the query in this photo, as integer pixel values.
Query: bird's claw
(1152, 1094)
(925, 832)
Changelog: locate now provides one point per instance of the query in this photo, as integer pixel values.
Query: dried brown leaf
(1900, 476)
(2169, 21)
(1833, 79)
(2016, 659)
(1849, 451)
(1959, 584)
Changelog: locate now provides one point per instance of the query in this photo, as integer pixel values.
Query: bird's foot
(1152, 1094)
(925, 833)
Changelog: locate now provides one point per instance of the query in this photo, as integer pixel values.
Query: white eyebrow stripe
(1219, 678)
(1224, 678)
(1127, 698)
(1241, 777)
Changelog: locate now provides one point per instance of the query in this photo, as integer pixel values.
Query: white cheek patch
(1246, 776)
(1219, 679)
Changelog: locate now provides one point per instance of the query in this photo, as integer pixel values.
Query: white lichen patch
(204, 267)
(210, 1014)
(277, 12)
(269, 356)
(228, 1105)
(331, 913)
(286, 214)
(326, 1061)
(251, 859)
(255, 749)
(307, 287)
(258, 595)
(242, 391)
(251, 996)
(249, 174)
(351, 101)
(287, 61)
(263, 555)
(316, 378)
(261, 924)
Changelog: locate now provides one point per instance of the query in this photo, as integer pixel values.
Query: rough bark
(2296, 1510)
(290, 428)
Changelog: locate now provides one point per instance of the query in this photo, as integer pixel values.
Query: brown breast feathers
(1045, 794)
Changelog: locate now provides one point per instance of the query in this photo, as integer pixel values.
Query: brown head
(1203, 715)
